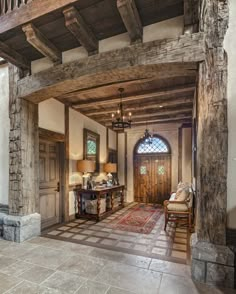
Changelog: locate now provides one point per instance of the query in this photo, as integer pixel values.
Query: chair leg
(166, 220)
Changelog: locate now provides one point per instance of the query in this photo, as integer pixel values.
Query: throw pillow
(183, 195)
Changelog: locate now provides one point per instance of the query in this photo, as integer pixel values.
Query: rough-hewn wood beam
(183, 119)
(129, 62)
(13, 57)
(147, 95)
(41, 43)
(156, 114)
(191, 16)
(131, 19)
(142, 106)
(31, 11)
(77, 26)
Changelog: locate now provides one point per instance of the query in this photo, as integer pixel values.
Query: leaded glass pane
(161, 170)
(156, 146)
(143, 170)
(91, 147)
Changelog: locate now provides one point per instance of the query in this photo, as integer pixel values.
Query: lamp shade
(110, 167)
(86, 166)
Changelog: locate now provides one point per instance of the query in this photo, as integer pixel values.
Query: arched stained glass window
(152, 145)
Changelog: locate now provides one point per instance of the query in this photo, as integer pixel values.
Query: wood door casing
(152, 178)
(49, 197)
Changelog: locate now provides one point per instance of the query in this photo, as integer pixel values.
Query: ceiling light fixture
(147, 136)
(119, 120)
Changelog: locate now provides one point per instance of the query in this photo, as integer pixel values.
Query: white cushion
(172, 196)
(177, 207)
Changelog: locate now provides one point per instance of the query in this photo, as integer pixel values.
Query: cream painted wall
(230, 45)
(4, 134)
(51, 117)
(170, 28)
(170, 133)
(187, 155)
(112, 144)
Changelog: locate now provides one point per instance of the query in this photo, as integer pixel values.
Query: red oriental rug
(140, 219)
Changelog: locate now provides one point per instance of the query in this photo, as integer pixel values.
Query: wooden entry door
(49, 173)
(152, 178)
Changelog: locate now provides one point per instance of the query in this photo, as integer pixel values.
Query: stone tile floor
(172, 244)
(47, 266)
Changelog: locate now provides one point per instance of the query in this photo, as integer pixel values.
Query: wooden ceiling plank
(131, 19)
(10, 55)
(31, 11)
(157, 114)
(77, 26)
(41, 43)
(157, 121)
(148, 95)
(140, 107)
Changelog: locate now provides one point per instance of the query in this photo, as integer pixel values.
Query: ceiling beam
(159, 121)
(107, 67)
(131, 19)
(31, 11)
(41, 43)
(191, 16)
(143, 106)
(148, 95)
(10, 55)
(77, 26)
(157, 114)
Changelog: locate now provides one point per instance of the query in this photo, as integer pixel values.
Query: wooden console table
(98, 194)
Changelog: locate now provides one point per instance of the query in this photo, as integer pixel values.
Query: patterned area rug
(140, 219)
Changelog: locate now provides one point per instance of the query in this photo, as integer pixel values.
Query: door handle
(58, 187)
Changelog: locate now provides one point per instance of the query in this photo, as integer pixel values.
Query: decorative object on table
(110, 168)
(86, 167)
(119, 120)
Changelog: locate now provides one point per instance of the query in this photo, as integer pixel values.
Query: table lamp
(85, 166)
(110, 168)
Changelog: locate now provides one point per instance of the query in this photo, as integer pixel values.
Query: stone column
(212, 261)
(22, 222)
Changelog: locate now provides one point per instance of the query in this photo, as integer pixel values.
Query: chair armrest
(175, 202)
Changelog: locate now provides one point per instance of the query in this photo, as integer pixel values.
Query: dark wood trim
(126, 158)
(47, 134)
(107, 139)
(66, 165)
(180, 157)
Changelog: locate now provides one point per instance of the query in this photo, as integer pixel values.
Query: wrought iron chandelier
(147, 137)
(119, 120)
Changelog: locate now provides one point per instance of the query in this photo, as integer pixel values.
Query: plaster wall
(187, 155)
(230, 45)
(170, 28)
(51, 117)
(121, 158)
(170, 133)
(4, 134)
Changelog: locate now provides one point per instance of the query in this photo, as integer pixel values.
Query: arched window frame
(152, 153)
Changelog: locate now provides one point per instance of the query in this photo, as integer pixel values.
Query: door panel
(152, 178)
(49, 178)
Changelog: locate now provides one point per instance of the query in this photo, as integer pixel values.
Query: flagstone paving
(47, 266)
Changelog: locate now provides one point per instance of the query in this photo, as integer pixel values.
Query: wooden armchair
(179, 211)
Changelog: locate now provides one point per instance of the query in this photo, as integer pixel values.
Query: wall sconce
(85, 167)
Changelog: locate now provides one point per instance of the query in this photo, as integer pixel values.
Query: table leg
(98, 206)
(122, 198)
(79, 203)
(112, 200)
